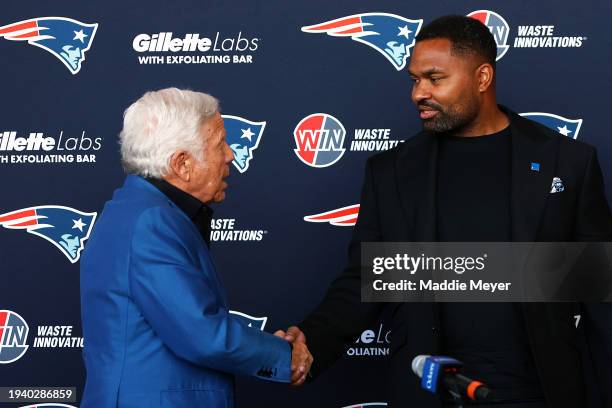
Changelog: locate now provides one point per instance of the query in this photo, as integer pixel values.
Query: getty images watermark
(486, 271)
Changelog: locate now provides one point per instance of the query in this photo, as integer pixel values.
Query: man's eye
(414, 80)
(435, 80)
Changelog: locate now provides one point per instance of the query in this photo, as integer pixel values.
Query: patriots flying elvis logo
(567, 127)
(65, 38)
(389, 34)
(257, 322)
(341, 217)
(64, 227)
(243, 136)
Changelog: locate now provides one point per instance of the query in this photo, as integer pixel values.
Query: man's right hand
(294, 334)
(301, 359)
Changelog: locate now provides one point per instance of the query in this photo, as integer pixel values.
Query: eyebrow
(428, 72)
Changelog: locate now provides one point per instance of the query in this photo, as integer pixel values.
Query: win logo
(319, 140)
(13, 336)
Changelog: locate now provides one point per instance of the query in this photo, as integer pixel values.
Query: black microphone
(444, 370)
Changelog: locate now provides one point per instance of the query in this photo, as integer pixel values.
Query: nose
(229, 154)
(420, 91)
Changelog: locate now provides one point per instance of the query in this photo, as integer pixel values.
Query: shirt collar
(196, 210)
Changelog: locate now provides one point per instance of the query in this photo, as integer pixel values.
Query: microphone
(433, 370)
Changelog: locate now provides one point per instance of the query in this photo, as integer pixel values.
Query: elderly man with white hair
(155, 316)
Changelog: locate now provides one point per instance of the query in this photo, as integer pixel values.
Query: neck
(490, 119)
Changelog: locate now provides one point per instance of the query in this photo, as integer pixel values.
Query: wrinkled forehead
(213, 124)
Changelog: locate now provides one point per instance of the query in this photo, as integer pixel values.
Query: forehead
(213, 125)
(435, 53)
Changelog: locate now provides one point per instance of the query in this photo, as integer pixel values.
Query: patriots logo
(256, 322)
(557, 185)
(63, 37)
(567, 127)
(243, 137)
(64, 227)
(389, 34)
(368, 405)
(342, 217)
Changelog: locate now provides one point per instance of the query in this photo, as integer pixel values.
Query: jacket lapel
(534, 160)
(530, 190)
(415, 173)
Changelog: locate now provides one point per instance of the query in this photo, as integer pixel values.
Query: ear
(181, 165)
(484, 76)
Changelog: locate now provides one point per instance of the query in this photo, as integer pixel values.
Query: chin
(219, 197)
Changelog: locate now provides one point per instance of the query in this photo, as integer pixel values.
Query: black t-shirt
(473, 205)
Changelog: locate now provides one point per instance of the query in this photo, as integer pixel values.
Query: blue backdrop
(264, 68)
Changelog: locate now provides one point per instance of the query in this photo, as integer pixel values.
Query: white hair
(160, 124)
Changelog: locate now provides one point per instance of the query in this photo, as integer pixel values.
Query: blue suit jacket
(155, 317)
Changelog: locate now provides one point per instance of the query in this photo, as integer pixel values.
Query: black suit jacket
(398, 203)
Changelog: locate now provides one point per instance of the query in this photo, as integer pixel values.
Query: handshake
(301, 359)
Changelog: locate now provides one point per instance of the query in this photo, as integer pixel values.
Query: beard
(452, 118)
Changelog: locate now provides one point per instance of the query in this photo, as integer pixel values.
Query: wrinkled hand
(301, 359)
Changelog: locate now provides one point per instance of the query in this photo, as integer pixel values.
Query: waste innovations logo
(65, 227)
(319, 140)
(371, 343)
(194, 48)
(341, 217)
(49, 405)
(38, 148)
(13, 336)
(224, 229)
(373, 140)
(567, 127)
(527, 36)
(67, 39)
(243, 137)
(258, 323)
(389, 34)
(56, 337)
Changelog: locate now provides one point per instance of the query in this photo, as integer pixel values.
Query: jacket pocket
(196, 398)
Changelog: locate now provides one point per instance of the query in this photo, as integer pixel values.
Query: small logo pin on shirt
(535, 166)
(557, 185)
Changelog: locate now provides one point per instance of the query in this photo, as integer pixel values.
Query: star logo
(80, 35)
(564, 130)
(247, 134)
(404, 31)
(78, 224)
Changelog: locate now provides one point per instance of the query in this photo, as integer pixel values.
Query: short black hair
(467, 36)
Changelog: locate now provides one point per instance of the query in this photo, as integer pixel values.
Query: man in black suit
(469, 176)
